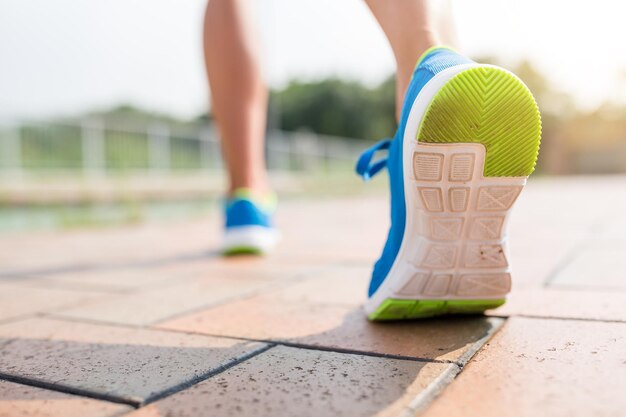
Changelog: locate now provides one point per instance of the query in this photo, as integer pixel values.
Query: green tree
(336, 107)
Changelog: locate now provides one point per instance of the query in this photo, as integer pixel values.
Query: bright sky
(65, 56)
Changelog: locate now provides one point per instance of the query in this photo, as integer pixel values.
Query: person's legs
(239, 96)
(412, 26)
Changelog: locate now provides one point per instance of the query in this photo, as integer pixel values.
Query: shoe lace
(368, 169)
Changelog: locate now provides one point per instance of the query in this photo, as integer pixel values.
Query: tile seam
(65, 389)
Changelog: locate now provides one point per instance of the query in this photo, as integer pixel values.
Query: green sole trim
(429, 50)
(397, 309)
(490, 106)
(242, 250)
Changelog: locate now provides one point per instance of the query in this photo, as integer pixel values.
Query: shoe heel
(490, 106)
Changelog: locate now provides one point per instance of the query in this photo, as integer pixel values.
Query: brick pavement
(147, 320)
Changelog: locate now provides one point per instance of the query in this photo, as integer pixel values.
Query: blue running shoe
(468, 139)
(248, 227)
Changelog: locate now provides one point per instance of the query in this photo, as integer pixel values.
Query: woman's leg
(239, 95)
(412, 26)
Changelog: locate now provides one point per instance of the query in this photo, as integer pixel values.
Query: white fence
(92, 149)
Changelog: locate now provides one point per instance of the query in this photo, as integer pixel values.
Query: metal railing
(91, 149)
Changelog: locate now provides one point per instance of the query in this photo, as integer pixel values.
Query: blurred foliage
(51, 147)
(574, 141)
(336, 107)
(186, 153)
(350, 109)
(125, 151)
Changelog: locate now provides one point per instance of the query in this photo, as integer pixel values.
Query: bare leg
(412, 26)
(239, 96)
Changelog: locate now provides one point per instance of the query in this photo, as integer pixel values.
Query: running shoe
(467, 140)
(249, 227)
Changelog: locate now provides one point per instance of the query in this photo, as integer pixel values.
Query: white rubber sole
(249, 239)
(454, 245)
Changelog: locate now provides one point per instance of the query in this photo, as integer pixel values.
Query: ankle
(407, 53)
(259, 189)
(405, 68)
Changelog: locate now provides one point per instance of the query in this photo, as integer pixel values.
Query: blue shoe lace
(368, 169)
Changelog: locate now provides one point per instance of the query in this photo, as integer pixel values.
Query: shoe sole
(252, 240)
(471, 141)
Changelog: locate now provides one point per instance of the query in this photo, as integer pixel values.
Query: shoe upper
(242, 209)
(432, 62)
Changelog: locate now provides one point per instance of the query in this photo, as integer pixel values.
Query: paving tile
(581, 279)
(30, 253)
(334, 285)
(256, 268)
(614, 224)
(540, 367)
(143, 243)
(127, 363)
(113, 280)
(152, 305)
(592, 197)
(601, 265)
(540, 237)
(533, 263)
(269, 317)
(18, 400)
(18, 300)
(287, 382)
(569, 303)
(314, 230)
